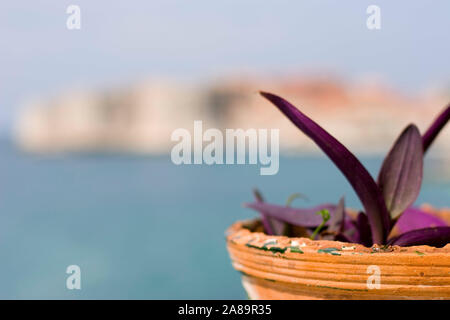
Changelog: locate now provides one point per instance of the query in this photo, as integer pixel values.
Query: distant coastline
(140, 119)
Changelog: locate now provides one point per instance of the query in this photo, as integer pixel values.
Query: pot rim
(241, 233)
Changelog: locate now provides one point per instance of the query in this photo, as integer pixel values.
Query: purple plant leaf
(351, 231)
(414, 218)
(435, 128)
(364, 232)
(257, 195)
(360, 179)
(271, 226)
(337, 220)
(298, 217)
(279, 227)
(264, 218)
(436, 237)
(401, 174)
(342, 237)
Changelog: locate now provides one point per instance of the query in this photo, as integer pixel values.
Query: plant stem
(325, 217)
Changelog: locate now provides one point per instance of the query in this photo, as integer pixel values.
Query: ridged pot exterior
(275, 267)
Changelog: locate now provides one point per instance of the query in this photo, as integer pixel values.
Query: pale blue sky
(122, 41)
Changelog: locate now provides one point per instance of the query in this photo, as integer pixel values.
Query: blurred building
(366, 117)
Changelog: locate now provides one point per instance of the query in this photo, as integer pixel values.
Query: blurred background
(86, 117)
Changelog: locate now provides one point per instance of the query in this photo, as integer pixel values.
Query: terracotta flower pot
(276, 267)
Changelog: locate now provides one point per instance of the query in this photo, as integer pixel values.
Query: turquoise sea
(140, 227)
